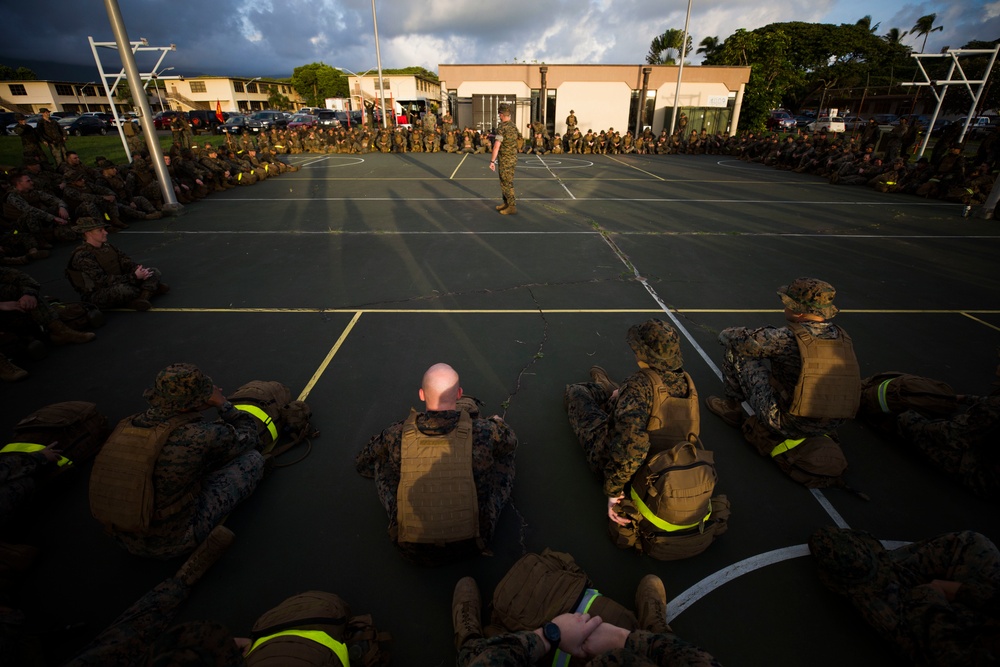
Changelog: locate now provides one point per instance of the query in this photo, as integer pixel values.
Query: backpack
(276, 413)
(815, 462)
(77, 426)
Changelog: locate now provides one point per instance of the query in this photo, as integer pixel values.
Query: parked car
(66, 121)
(270, 119)
(125, 117)
(327, 118)
(980, 127)
(885, 119)
(830, 124)
(63, 114)
(349, 118)
(802, 121)
(301, 120)
(162, 119)
(852, 123)
(205, 119)
(31, 120)
(6, 118)
(780, 120)
(86, 125)
(103, 115)
(239, 125)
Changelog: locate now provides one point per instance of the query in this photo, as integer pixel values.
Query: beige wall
(615, 97)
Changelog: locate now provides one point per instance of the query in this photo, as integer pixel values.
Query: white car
(834, 124)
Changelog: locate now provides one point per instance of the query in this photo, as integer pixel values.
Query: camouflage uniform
(33, 212)
(493, 448)
(613, 435)
(107, 289)
(133, 137)
(964, 446)
(30, 138)
(762, 366)
(17, 481)
(889, 589)
(215, 463)
(641, 648)
(51, 133)
(14, 284)
(507, 135)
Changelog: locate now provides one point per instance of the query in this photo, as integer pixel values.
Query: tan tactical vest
(829, 386)
(106, 256)
(671, 419)
(436, 499)
(306, 629)
(122, 496)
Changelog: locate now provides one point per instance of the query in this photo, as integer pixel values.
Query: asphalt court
(346, 279)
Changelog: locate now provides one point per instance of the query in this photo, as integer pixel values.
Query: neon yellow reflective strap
(786, 446)
(881, 395)
(562, 658)
(317, 636)
(30, 447)
(261, 415)
(660, 523)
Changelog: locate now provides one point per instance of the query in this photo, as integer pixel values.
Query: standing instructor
(505, 148)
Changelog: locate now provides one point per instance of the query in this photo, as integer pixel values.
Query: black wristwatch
(552, 634)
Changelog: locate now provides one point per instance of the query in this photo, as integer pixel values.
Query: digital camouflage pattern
(964, 446)
(493, 448)
(17, 479)
(613, 434)
(891, 591)
(762, 366)
(642, 648)
(14, 284)
(507, 135)
(207, 468)
(104, 288)
(809, 296)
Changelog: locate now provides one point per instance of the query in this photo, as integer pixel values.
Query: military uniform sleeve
(377, 451)
(757, 343)
(511, 648)
(234, 433)
(666, 649)
(23, 283)
(50, 199)
(15, 465)
(629, 440)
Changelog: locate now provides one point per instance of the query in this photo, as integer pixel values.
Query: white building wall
(598, 105)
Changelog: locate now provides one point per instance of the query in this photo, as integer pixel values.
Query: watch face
(552, 634)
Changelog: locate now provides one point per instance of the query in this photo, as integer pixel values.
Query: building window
(17, 89)
(198, 87)
(251, 87)
(64, 89)
(238, 86)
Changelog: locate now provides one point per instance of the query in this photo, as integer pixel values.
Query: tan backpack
(815, 462)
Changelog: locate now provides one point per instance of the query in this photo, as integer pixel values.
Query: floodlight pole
(680, 69)
(139, 96)
(378, 59)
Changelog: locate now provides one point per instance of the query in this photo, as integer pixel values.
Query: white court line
(587, 199)
(355, 161)
(460, 163)
(430, 232)
(695, 593)
(558, 180)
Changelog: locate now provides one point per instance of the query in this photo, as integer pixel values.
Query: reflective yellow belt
(562, 658)
(660, 523)
(30, 447)
(786, 446)
(317, 636)
(881, 395)
(261, 415)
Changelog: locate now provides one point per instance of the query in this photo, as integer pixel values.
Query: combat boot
(465, 609)
(155, 215)
(510, 210)
(204, 557)
(162, 288)
(651, 605)
(9, 372)
(60, 334)
(600, 376)
(727, 409)
(501, 207)
(139, 304)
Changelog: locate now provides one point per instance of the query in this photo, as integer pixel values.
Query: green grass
(87, 147)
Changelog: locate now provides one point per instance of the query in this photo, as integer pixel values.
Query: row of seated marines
(165, 478)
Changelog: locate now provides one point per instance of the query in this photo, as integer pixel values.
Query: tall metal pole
(642, 101)
(139, 96)
(378, 60)
(680, 69)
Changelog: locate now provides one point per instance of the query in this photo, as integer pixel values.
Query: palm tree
(924, 26)
(661, 45)
(866, 23)
(709, 46)
(894, 36)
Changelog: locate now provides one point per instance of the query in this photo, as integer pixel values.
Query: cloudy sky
(271, 37)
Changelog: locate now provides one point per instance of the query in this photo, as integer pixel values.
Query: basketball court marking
(666, 200)
(548, 165)
(560, 163)
(348, 162)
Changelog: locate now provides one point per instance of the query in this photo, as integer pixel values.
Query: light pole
(84, 87)
(361, 97)
(246, 90)
(378, 60)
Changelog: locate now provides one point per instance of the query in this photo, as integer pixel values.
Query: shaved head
(439, 388)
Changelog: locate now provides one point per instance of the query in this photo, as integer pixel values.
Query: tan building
(602, 96)
(407, 94)
(181, 94)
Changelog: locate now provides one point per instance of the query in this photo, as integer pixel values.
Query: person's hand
(243, 644)
(575, 629)
(142, 273)
(614, 395)
(613, 502)
(493, 166)
(10, 305)
(27, 302)
(217, 398)
(946, 588)
(109, 198)
(52, 454)
(64, 213)
(605, 637)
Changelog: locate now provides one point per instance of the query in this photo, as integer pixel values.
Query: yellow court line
(458, 167)
(519, 311)
(636, 168)
(329, 357)
(976, 319)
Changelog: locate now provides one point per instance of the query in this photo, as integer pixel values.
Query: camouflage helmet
(181, 387)
(504, 109)
(809, 296)
(846, 558)
(656, 343)
(86, 224)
